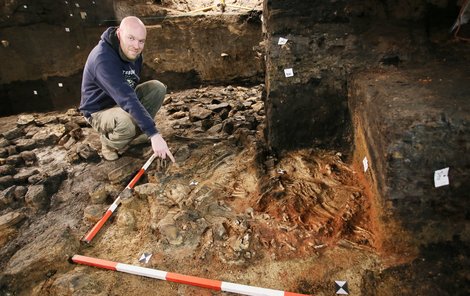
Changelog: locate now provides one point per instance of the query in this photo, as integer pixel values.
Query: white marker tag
(441, 177)
(282, 41)
(25, 6)
(365, 163)
(341, 288)
(145, 258)
(35, 92)
(60, 84)
(289, 72)
(67, 30)
(83, 14)
(77, 5)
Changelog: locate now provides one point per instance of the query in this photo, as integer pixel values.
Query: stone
(88, 153)
(23, 175)
(182, 154)
(36, 197)
(13, 133)
(20, 192)
(3, 153)
(28, 157)
(198, 113)
(218, 107)
(10, 220)
(72, 156)
(147, 190)
(215, 129)
(63, 118)
(80, 282)
(15, 160)
(7, 169)
(93, 213)
(4, 143)
(207, 123)
(229, 126)
(7, 197)
(76, 133)
(126, 219)
(6, 181)
(8, 223)
(63, 140)
(182, 123)
(126, 196)
(25, 119)
(53, 179)
(178, 115)
(247, 104)
(125, 171)
(98, 194)
(45, 120)
(73, 112)
(49, 135)
(220, 232)
(177, 192)
(25, 144)
(70, 126)
(31, 130)
(258, 107)
(11, 150)
(47, 250)
(80, 121)
(168, 229)
(36, 179)
(113, 189)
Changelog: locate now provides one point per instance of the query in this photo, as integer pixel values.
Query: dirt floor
(227, 210)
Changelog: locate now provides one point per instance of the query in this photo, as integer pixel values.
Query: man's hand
(160, 148)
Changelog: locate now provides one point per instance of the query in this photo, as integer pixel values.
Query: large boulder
(46, 253)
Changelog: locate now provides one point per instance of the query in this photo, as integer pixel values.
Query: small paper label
(441, 177)
(365, 163)
(67, 30)
(289, 72)
(282, 41)
(77, 5)
(35, 92)
(60, 84)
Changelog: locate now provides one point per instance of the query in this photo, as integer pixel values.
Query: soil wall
(327, 41)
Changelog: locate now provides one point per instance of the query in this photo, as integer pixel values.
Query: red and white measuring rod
(180, 278)
(91, 234)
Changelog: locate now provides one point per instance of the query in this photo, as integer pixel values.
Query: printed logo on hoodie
(130, 77)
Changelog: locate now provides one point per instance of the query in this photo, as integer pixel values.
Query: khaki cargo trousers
(116, 127)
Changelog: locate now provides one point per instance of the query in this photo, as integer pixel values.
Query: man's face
(132, 40)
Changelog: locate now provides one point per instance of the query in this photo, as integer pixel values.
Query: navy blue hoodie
(108, 80)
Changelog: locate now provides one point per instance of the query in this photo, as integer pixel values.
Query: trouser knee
(151, 94)
(116, 127)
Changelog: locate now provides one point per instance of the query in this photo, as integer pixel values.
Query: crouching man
(112, 101)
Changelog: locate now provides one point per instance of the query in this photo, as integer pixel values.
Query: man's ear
(118, 33)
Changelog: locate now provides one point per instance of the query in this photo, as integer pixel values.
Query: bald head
(132, 34)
